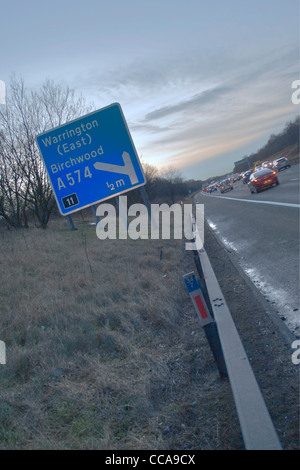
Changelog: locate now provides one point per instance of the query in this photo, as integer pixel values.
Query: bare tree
(174, 184)
(170, 173)
(151, 174)
(24, 185)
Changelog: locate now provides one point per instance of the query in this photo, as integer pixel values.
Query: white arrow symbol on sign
(127, 169)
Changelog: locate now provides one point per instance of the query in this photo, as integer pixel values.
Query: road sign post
(70, 222)
(91, 159)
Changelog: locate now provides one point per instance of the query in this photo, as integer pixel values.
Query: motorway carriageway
(263, 232)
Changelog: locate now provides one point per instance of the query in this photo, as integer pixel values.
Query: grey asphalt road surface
(263, 231)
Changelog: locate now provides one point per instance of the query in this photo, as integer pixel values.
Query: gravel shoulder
(265, 338)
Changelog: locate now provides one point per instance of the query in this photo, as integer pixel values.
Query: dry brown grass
(104, 350)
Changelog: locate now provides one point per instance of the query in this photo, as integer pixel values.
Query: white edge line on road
(287, 204)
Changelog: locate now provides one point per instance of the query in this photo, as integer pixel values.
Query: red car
(262, 179)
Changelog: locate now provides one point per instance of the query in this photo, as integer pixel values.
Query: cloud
(149, 128)
(248, 79)
(206, 97)
(189, 109)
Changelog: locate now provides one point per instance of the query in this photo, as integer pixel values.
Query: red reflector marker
(201, 307)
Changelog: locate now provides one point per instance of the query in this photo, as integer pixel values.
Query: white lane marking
(277, 296)
(287, 204)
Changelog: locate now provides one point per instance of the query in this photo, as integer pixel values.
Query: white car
(281, 163)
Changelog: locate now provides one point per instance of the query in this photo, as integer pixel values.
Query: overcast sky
(201, 83)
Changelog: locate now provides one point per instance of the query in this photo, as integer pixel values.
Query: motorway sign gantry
(91, 159)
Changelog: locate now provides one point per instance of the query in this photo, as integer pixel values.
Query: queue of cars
(222, 186)
(262, 177)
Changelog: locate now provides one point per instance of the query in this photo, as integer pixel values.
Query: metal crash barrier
(256, 425)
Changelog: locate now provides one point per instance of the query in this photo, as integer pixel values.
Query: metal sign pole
(94, 209)
(70, 222)
(148, 205)
(122, 212)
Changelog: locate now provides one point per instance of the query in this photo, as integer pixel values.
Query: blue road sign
(191, 282)
(91, 159)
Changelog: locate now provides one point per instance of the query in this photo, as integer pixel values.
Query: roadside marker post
(202, 283)
(194, 234)
(207, 322)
